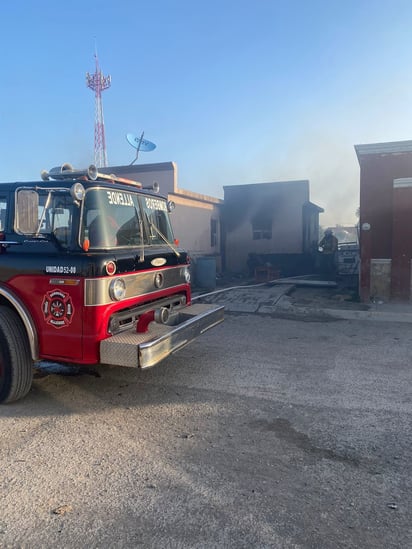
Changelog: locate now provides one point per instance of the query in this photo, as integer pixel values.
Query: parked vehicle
(90, 273)
(348, 258)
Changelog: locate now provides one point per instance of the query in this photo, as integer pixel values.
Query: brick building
(385, 220)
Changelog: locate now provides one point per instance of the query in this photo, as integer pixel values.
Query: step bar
(136, 350)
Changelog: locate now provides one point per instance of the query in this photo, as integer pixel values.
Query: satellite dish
(140, 143)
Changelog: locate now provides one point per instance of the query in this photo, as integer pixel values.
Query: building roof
(301, 186)
(312, 206)
(138, 168)
(393, 147)
(197, 196)
(273, 183)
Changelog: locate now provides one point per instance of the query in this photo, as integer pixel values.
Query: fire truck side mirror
(27, 211)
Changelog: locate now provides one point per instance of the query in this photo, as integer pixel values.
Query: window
(111, 218)
(213, 232)
(45, 211)
(262, 228)
(157, 220)
(114, 218)
(3, 211)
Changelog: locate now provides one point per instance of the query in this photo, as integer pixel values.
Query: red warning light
(110, 268)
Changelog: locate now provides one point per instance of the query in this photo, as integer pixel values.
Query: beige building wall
(192, 221)
(164, 173)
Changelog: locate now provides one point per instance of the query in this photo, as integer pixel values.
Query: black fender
(16, 303)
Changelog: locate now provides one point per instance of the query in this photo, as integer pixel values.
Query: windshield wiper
(140, 223)
(162, 236)
(43, 214)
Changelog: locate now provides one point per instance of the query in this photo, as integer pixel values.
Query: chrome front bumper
(137, 350)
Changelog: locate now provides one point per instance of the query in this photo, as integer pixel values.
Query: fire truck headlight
(186, 274)
(117, 289)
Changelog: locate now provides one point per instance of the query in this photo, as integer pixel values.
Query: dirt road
(264, 433)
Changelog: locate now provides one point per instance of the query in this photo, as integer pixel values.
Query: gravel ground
(266, 432)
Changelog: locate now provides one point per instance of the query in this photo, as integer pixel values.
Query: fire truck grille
(126, 319)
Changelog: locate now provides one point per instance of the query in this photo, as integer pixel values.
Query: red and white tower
(98, 83)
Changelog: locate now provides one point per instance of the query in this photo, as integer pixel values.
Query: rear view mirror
(27, 218)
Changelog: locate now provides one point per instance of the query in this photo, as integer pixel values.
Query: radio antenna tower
(98, 83)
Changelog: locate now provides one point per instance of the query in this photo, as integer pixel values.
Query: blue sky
(233, 91)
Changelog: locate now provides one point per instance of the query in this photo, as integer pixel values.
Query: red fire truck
(90, 273)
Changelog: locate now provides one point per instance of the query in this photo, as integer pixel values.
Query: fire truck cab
(90, 273)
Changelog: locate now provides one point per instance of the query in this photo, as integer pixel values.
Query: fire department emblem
(57, 308)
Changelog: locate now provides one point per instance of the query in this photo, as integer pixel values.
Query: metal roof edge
(393, 147)
(197, 196)
(310, 204)
(138, 168)
(292, 181)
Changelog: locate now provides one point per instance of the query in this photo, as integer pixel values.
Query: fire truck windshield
(113, 218)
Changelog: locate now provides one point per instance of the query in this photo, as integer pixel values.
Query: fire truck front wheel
(16, 366)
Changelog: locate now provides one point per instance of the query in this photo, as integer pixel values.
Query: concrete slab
(320, 302)
(246, 299)
(241, 307)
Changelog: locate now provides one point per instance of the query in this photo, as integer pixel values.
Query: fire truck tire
(16, 366)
